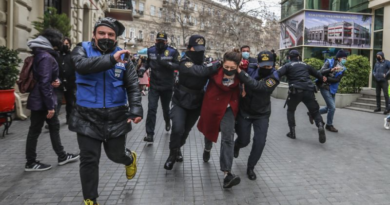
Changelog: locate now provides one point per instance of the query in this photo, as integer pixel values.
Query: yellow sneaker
(131, 170)
(89, 202)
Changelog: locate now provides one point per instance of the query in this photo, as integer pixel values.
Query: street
(352, 167)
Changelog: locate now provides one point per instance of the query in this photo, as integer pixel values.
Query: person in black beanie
(333, 69)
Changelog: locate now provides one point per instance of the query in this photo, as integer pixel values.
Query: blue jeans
(330, 107)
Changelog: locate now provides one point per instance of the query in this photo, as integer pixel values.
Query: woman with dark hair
(219, 110)
(42, 101)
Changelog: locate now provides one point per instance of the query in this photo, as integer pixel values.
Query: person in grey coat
(380, 72)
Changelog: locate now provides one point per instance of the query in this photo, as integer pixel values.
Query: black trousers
(309, 99)
(60, 94)
(70, 98)
(182, 122)
(382, 86)
(243, 130)
(38, 118)
(153, 97)
(90, 150)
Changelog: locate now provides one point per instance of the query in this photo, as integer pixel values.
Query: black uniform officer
(255, 108)
(188, 96)
(301, 89)
(163, 60)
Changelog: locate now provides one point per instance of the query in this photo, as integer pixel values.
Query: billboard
(291, 32)
(337, 30)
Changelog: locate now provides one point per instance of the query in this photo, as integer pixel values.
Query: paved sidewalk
(352, 167)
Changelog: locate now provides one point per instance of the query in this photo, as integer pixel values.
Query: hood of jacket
(381, 54)
(39, 42)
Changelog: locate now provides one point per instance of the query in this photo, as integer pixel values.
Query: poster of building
(337, 30)
(291, 34)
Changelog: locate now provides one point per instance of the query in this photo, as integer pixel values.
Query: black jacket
(67, 70)
(326, 71)
(105, 123)
(298, 75)
(162, 67)
(257, 101)
(192, 79)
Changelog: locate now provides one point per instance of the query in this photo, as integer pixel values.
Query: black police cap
(111, 23)
(161, 36)
(294, 53)
(198, 42)
(265, 58)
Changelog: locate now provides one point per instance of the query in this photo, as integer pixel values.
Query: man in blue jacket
(107, 101)
(381, 72)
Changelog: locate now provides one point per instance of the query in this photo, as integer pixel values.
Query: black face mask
(65, 49)
(379, 58)
(160, 46)
(197, 57)
(106, 44)
(264, 72)
(229, 72)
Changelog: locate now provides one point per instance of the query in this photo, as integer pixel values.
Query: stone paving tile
(352, 167)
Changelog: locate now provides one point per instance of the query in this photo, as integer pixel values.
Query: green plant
(9, 63)
(357, 74)
(51, 19)
(314, 62)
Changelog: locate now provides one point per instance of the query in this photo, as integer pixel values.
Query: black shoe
(168, 126)
(291, 134)
(231, 180)
(36, 167)
(47, 127)
(251, 174)
(206, 156)
(331, 128)
(171, 159)
(236, 151)
(68, 158)
(179, 156)
(321, 133)
(310, 118)
(149, 139)
(386, 112)
(377, 110)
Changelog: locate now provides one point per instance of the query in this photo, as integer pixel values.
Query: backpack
(26, 80)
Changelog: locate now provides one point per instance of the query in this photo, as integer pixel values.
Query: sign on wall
(337, 30)
(291, 32)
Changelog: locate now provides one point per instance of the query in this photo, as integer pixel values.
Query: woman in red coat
(219, 110)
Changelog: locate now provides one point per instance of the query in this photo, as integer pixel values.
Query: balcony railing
(188, 9)
(138, 13)
(140, 40)
(121, 4)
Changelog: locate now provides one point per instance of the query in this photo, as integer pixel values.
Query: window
(196, 7)
(291, 7)
(151, 36)
(140, 36)
(379, 19)
(360, 6)
(131, 33)
(195, 22)
(152, 10)
(133, 2)
(160, 12)
(141, 7)
(378, 40)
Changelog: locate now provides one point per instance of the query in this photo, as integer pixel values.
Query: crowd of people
(103, 88)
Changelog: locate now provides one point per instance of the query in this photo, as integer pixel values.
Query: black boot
(168, 125)
(321, 132)
(291, 134)
(149, 139)
(179, 156)
(236, 150)
(171, 159)
(251, 174)
(206, 155)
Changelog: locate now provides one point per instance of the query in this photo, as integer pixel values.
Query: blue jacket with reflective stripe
(103, 89)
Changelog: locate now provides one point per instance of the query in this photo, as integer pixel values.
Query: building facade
(222, 28)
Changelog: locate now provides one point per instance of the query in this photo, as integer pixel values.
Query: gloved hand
(163, 63)
(214, 66)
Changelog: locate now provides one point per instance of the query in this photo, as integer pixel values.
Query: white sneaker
(386, 125)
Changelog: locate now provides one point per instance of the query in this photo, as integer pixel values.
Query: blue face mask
(245, 55)
(343, 61)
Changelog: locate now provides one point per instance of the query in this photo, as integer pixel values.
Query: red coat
(215, 102)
